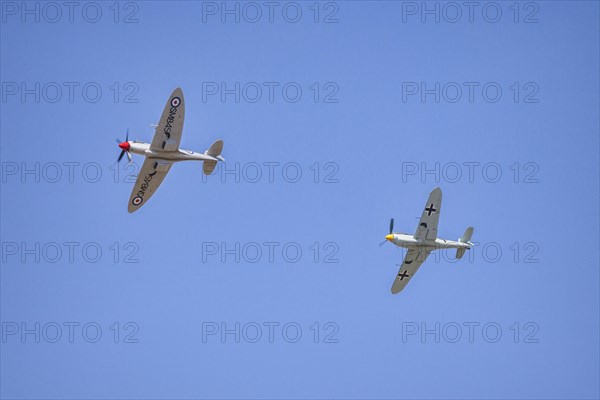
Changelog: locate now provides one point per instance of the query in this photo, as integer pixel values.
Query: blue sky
(515, 153)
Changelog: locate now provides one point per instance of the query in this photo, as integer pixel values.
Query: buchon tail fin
(214, 150)
(466, 238)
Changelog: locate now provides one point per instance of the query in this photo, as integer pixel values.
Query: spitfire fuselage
(143, 149)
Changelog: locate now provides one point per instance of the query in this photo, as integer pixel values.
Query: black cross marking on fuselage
(430, 209)
(403, 275)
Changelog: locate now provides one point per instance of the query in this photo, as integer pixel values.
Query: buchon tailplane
(466, 238)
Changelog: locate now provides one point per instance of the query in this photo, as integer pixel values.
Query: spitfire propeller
(124, 147)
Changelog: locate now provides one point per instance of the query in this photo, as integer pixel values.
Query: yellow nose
(390, 237)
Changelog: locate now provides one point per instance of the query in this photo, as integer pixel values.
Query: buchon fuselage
(409, 241)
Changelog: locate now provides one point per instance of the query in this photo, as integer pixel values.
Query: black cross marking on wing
(430, 209)
(403, 275)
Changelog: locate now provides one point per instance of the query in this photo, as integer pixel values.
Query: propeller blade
(129, 157)
(127, 135)
(121, 155)
(382, 243)
(118, 141)
(391, 225)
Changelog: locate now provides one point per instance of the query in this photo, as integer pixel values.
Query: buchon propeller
(391, 230)
(125, 146)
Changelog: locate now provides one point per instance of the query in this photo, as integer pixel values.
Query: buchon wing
(413, 260)
(149, 179)
(167, 135)
(428, 224)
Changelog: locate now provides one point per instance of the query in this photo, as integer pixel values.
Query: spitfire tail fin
(214, 150)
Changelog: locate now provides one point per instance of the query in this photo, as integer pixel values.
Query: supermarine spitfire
(164, 151)
(424, 241)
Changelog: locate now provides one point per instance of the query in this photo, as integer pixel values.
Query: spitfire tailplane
(214, 150)
(208, 167)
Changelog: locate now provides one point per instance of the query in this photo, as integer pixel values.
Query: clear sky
(265, 280)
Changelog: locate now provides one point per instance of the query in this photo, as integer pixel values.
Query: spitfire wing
(149, 179)
(427, 229)
(413, 260)
(167, 135)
